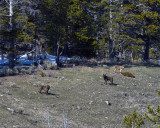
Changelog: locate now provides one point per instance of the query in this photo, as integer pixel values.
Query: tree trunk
(132, 56)
(2, 55)
(111, 42)
(57, 59)
(111, 51)
(121, 52)
(66, 50)
(11, 55)
(146, 50)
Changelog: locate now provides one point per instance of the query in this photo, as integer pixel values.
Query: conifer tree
(152, 116)
(81, 20)
(15, 26)
(71, 22)
(140, 24)
(55, 14)
(133, 121)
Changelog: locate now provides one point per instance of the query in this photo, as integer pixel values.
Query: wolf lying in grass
(44, 88)
(128, 74)
(107, 78)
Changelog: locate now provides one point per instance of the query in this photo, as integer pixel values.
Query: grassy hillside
(78, 97)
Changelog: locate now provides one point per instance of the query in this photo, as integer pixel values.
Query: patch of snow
(23, 60)
(1, 57)
(4, 62)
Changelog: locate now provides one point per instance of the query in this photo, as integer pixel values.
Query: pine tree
(152, 116)
(55, 14)
(70, 23)
(81, 20)
(15, 27)
(140, 24)
(133, 121)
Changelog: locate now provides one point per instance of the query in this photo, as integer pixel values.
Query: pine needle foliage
(42, 74)
(152, 116)
(133, 121)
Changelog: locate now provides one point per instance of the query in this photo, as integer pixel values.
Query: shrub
(1, 72)
(42, 74)
(153, 117)
(49, 65)
(23, 71)
(16, 71)
(133, 121)
(30, 71)
(49, 74)
(7, 71)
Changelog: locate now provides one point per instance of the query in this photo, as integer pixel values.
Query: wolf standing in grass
(45, 88)
(107, 78)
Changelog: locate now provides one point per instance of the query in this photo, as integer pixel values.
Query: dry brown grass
(81, 92)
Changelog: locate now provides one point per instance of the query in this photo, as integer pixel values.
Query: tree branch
(2, 9)
(6, 1)
(14, 2)
(5, 15)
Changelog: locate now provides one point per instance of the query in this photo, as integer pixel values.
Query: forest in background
(116, 29)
